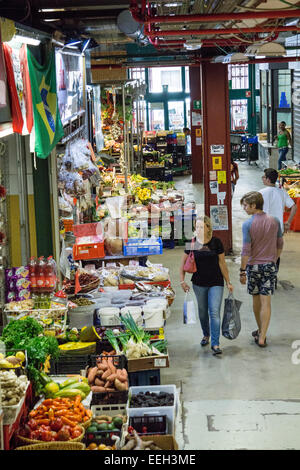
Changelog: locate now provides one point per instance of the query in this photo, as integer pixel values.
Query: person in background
(234, 170)
(187, 133)
(283, 140)
(208, 281)
(275, 201)
(262, 245)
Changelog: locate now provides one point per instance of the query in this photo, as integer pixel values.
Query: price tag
(160, 362)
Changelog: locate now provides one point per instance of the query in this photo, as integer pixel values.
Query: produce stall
(290, 181)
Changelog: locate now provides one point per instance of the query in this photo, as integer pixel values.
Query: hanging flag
(47, 123)
(27, 96)
(16, 112)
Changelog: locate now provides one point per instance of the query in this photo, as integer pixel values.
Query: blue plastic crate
(253, 140)
(132, 247)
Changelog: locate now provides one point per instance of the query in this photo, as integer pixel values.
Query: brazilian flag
(47, 124)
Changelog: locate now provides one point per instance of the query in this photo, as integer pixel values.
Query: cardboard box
(148, 363)
(165, 442)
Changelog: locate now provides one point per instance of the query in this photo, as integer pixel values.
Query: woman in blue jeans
(208, 281)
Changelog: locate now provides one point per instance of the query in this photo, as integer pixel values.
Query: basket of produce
(57, 419)
(54, 446)
(65, 434)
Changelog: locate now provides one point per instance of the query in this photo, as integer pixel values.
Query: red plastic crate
(89, 251)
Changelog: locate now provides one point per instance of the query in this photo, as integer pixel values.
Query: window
(176, 115)
(156, 117)
(137, 74)
(239, 115)
(239, 76)
(187, 79)
(162, 77)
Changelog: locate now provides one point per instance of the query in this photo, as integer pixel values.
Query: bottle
(32, 274)
(50, 275)
(40, 275)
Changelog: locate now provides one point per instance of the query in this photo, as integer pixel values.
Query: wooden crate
(148, 363)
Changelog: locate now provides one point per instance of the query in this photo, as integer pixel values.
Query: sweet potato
(92, 374)
(99, 373)
(97, 389)
(111, 377)
(106, 374)
(120, 386)
(102, 366)
(112, 368)
(108, 384)
(99, 383)
(110, 389)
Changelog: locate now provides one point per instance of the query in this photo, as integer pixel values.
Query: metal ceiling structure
(130, 30)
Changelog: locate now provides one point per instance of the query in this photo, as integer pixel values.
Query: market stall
(290, 181)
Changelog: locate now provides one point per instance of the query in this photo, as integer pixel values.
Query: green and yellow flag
(47, 124)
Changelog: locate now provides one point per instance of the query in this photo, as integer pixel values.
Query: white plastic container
(135, 311)
(159, 302)
(109, 316)
(153, 316)
(81, 316)
(168, 411)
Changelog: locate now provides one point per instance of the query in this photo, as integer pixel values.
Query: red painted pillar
(216, 150)
(196, 131)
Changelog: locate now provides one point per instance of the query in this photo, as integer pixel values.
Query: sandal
(255, 333)
(216, 350)
(205, 341)
(261, 345)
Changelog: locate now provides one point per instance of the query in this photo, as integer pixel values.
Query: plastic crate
(133, 248)
(110, 410)
(88, 251)
(101, 437)
(168, 411)
(69, 364)
(149, 424)
(144, 377)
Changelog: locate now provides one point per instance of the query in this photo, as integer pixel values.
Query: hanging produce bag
(231, 323)
(189, 310)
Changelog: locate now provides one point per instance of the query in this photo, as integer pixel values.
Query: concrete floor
(248, 398)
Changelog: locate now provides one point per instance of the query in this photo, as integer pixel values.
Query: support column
(216, 150)
(196, 131)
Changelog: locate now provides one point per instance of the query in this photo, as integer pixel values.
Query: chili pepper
(43, 421)
(51, 414)
(68, 421)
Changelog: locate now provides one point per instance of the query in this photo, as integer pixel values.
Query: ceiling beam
(83, 14)
(45, 4)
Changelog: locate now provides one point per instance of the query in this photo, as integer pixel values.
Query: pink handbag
(190, 263)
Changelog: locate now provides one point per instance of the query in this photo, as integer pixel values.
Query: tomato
(36, 435)
(76, 433)
(46, 436)
(56, 424)
(63, 434)
(33, 424)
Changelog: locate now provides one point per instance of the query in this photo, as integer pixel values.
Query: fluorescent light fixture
(218, 59)
(291, 22)
(193, 45)
(235, 57)
(72, 43)
(86, 45)
(267, 49)
(26, 40)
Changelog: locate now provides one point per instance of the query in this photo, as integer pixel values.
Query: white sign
(196, 119)
(214, 188)
(217, 149)
(219, 217)
(198, 140)
(221, 197)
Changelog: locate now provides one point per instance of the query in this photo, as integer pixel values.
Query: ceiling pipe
(225, 31)
(217, 17)
(197, 62)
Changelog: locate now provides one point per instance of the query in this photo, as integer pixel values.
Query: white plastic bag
(189, 310)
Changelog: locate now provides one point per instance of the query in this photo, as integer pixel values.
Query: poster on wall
(69, 79)
(219, 217)
(217, 149)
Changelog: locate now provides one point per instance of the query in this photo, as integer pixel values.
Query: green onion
(113, 341)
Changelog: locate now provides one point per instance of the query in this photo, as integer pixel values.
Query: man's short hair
(271, 174)
(253, 197)
(283, 122)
